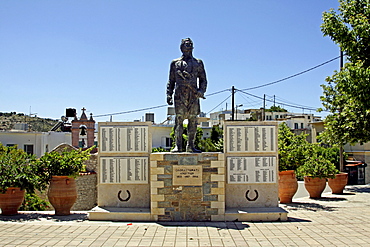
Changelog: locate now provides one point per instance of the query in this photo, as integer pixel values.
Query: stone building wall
(86, 192)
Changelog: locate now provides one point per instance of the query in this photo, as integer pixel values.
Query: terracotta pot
(314, 186)
(62, 194)
(288, 186)
(338, 183)
(11, 200)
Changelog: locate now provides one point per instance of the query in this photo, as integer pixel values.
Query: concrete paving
(334, 220)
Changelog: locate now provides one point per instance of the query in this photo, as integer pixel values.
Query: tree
(292, 148)
(276, 109)
(198, 137)
(347, 94)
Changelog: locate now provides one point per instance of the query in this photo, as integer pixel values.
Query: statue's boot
(191, 149)
(177, 149)
(192, 131)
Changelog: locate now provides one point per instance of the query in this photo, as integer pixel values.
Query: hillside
(10, 120)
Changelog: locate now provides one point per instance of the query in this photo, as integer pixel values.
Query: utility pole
(232, 103)
(264, 104)
(341, 161)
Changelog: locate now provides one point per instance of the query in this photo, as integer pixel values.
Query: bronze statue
(188, 79)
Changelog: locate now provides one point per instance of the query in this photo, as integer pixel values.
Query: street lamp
(236, 111)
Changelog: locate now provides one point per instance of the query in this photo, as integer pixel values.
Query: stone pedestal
(237, 185)
(187, 187)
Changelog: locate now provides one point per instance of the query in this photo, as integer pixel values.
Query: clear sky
(113, 56)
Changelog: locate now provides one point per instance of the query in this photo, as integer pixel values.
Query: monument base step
(119, 214)
(256, 214)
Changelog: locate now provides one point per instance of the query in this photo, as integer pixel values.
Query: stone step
(256, 214)
(119, 214)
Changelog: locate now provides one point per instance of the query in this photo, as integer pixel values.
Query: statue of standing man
(188, 79)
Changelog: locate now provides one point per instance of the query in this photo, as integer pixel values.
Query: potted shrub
(291, 155)
(340, 180)
(315, 170)
(18, 172)
(62, 168)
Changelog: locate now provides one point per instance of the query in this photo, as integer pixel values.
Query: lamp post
(236, 111)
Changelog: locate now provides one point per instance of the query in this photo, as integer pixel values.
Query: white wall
(159, 135)
(41, 141)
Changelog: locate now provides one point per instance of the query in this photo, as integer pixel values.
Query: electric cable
(289, 77)
(125, 112)
(150, 108)
(218, 104)
(294, 106)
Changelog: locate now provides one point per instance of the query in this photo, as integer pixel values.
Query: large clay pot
(288, 186)
(62, 194)
(11, 200)
(338, 183)
(314, 186)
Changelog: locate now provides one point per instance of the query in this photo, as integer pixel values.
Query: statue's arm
(202, 78)
(171, 83)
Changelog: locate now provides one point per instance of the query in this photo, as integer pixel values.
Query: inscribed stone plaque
(187, 175)
(251, 139)
(124, 139)
(251, 170)
(124, 170)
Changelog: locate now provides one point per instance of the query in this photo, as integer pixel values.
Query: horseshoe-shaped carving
(124, 200)
(251, 199)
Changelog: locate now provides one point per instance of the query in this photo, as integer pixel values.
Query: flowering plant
(19, 169)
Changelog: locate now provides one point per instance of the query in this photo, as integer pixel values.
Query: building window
(168, 142)
(10, 145)
(28, 148)
(295, 125)
(301, 125)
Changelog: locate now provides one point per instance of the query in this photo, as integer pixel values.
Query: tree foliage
(276, 109)
(291, 148)
(347, 94)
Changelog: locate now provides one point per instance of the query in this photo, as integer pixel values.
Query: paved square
(334, 220)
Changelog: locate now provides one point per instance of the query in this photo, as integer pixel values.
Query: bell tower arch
(83, 131)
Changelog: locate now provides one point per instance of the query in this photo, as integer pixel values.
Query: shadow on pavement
(292, 219)
(330, 199)
(359, 189)
(309, 206)
(21, 217)
(219, 225)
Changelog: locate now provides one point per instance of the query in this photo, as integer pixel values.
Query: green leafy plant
(317, 163)
(19, 169)
(292, 148)
(65, 163)
(32, 202)
(198, 137)
(158, 150)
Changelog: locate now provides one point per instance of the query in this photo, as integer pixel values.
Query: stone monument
(188, 79)
(239, 184)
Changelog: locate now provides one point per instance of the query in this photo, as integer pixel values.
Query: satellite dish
(64, 118)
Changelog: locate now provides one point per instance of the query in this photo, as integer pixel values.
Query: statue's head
(186, 45)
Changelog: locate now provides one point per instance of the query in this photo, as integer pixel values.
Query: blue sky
(113, 56)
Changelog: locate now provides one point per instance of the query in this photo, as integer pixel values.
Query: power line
(219, 104)
(294, 106)
(150, 108)
(218, 92)
(125, 112)
(286, 78)
(263, 85)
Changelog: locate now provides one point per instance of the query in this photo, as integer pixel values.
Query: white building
(35, 142)
(161, 136)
